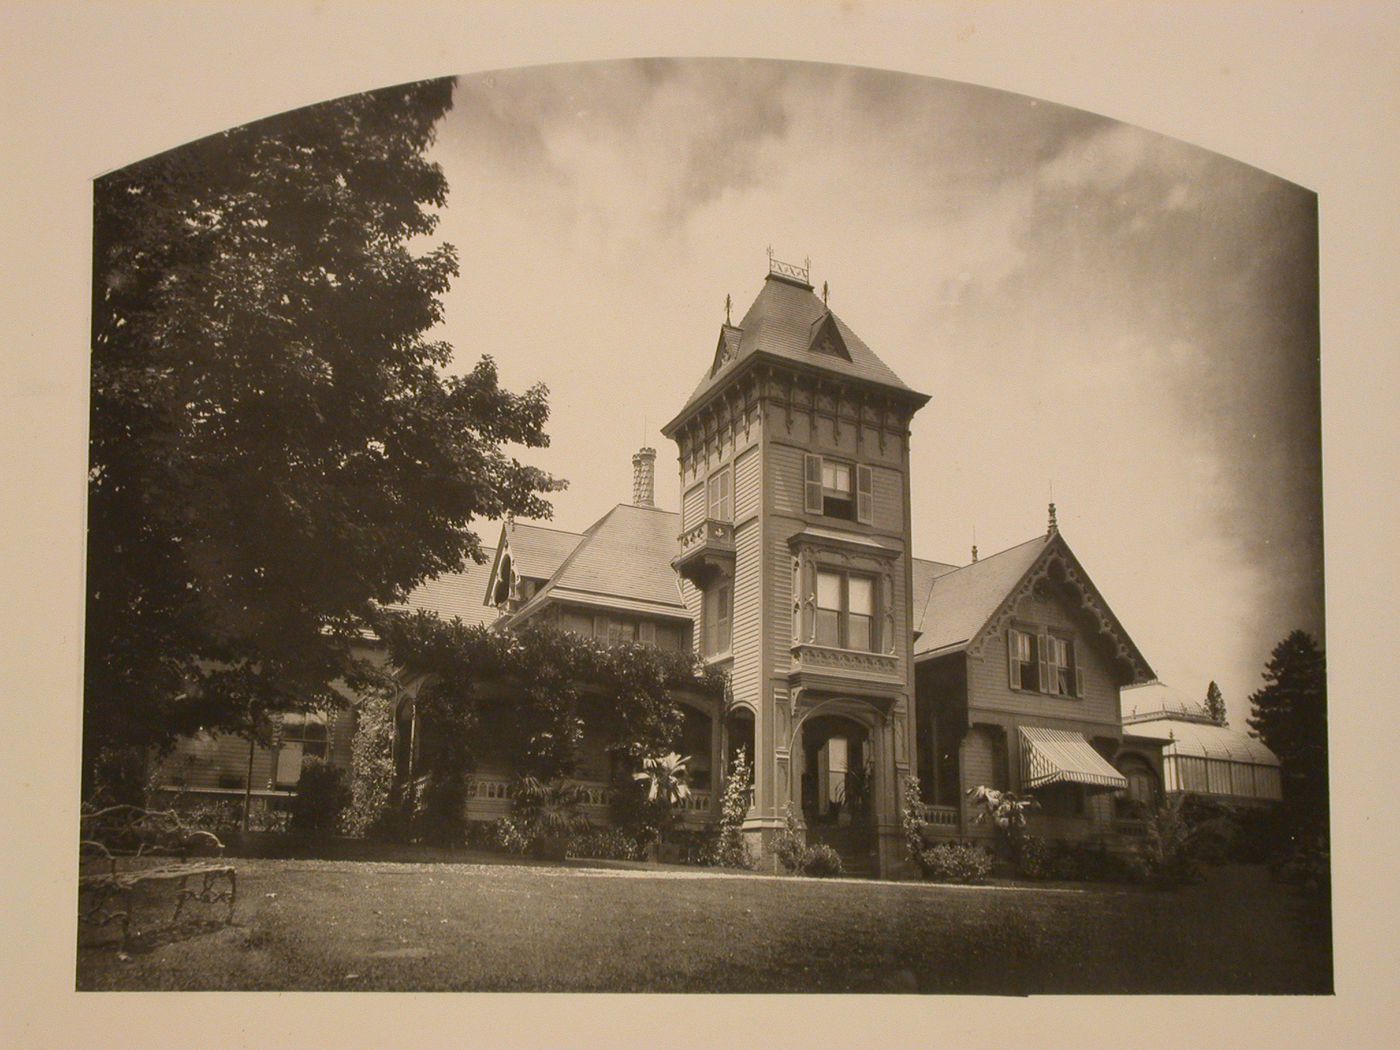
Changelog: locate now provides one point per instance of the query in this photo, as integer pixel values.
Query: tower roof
(789, 323)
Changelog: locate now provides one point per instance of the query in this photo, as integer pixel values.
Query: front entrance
(837, 776)
(838, 798)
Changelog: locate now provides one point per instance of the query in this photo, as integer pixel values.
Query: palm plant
(550, 812)
(1006, 810)
(663, 777)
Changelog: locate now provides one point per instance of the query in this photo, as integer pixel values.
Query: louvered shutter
(812, 489)
(1013, 669)
(1042, 661)
(865, 501)
(646, 633)
(1078, 673)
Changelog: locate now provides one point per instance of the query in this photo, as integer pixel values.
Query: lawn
(324, 925)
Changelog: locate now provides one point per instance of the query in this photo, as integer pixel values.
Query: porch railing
(501, 790)
(941, 816)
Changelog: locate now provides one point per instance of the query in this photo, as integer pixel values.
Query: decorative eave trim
(823, 538)
(1091, 600)
(911, 400)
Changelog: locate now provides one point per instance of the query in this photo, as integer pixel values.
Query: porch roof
(1058, 756)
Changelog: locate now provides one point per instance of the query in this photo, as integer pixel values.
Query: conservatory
(1200, 757)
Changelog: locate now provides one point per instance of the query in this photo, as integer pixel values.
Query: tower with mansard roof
(794, 559)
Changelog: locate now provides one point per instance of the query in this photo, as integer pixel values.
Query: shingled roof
(535, 552)
(456, 594)
(622, 560)
(785, 321)
(960, 602)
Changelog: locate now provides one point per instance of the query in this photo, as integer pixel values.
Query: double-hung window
(834, 488)
(845, 610)
(303, 736)
(719, 618)
(1043, 663)
(1064, 673)
(721, 493)
(1023, 659)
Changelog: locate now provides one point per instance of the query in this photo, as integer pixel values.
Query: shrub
(322, 796)
(1165, 853)
(913, 818)
(1033, 860)
(731, 851)
(955, 862)
(788, 846)
(372, 812)
(604, 844)
(506, 835)
(821, 862)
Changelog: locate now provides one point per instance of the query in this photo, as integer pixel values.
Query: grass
(324, 925)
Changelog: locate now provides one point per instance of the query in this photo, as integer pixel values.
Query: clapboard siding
(780, 605)
(693, 507)
(748, 481)
(693, 598)
(218, 762)
(747, 607)
(989, 687)
(785, 479)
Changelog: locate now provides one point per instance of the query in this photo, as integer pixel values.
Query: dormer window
(837, 489)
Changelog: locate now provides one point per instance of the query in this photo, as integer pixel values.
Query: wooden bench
(125, 847)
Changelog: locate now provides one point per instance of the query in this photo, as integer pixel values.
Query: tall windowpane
(828, 608)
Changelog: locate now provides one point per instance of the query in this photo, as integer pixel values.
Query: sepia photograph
(703, 525)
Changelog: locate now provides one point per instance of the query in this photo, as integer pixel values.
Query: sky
(1099, 312)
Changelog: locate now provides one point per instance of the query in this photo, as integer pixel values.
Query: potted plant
(550, 812)
(662, 778)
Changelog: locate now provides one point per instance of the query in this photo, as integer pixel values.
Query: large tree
(1290, 716)
(1215, 704)
(276, 445)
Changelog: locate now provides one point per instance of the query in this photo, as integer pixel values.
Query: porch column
(719, 774)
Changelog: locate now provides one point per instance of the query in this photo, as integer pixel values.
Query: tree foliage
(1215, 704)
(1290, 716)
(524, 696)
(276, 444)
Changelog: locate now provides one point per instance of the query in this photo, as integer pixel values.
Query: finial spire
(1054, 525)
(974, 545)
(824, 291)
(728, 303)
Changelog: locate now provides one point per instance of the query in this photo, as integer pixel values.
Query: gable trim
(1092, 604)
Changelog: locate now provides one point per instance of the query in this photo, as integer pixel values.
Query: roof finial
(824, 290)
(728, 302)
(1054, 525)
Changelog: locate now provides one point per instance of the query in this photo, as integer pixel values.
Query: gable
(1055, 575)
(827, 339)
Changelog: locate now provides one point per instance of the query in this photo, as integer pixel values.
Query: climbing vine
(523, 697)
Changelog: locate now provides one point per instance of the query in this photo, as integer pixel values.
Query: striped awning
(1057, 756)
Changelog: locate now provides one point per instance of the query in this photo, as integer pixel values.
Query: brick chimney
(644, 477)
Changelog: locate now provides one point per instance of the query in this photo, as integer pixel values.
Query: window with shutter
(1043, 664)
(721, 498)
(1025, 663)
(865, 499)
(1063, 676)
(812, 484)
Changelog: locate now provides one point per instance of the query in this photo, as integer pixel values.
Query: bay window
(845, 610)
